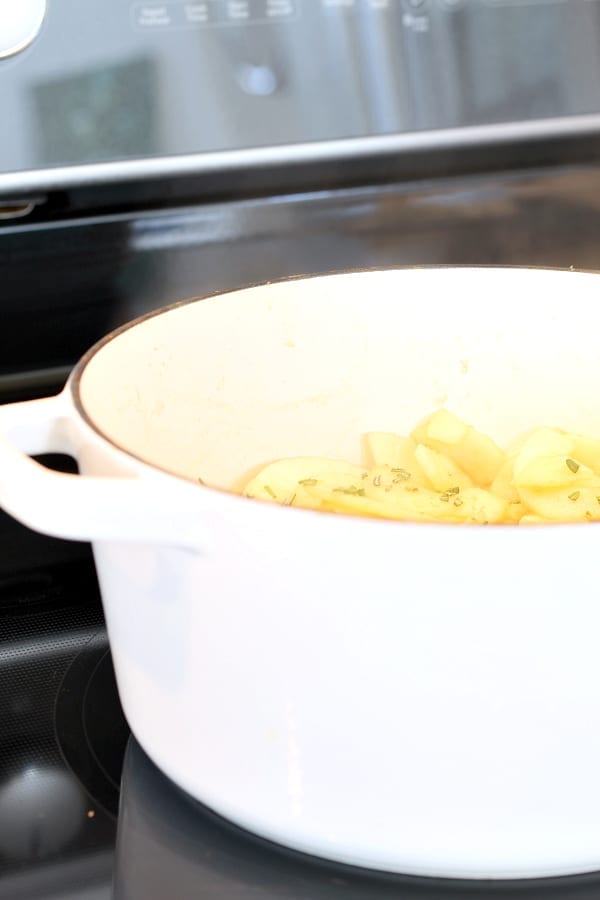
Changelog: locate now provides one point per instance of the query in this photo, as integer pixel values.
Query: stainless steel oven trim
(62, 177)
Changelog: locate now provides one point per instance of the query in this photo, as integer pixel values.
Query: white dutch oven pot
(418, 698)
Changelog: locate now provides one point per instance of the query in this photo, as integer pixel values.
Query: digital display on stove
(109, 81)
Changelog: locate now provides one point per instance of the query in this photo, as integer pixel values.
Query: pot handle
(82, 507)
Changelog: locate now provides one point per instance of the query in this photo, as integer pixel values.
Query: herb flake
(572, 465)
(352, 490)
(575, 495)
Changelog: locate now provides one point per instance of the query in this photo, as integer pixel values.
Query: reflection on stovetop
(168, 845)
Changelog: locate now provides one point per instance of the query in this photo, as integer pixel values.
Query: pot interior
(217, 388)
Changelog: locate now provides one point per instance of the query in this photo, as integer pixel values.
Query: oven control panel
(111, 81)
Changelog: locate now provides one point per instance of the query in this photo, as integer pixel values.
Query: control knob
(20, 21)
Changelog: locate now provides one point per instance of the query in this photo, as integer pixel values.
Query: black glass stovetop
(84, 813)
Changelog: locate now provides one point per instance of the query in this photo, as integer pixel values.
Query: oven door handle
(148, 508)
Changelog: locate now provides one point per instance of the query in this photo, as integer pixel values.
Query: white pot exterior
(417, 698)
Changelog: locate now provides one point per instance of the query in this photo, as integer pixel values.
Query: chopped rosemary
(352, 490)
(458, 501)
(270, 491)
(444, 497)
(308, 482)
(289, 500)
(201, 481)
(453, 490)
(588, 515)
(404, 475)
(572, 464)
(575, 495)
(411, 490)
(365, 475)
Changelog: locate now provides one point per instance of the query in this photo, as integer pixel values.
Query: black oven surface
(76, 271)
(63, 735)
(58, 796)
